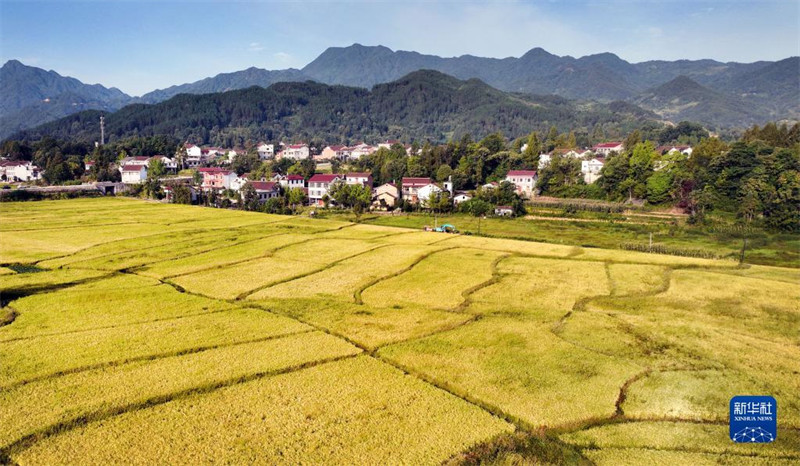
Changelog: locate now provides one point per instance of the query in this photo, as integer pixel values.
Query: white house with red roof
(606, 148)
(295, 181)
(364, 179)
(133, 174)
(217, 178)
(19, 170)
(296, 151)
(319, 185)
(410, 187)
(266, 189)
(524, 181)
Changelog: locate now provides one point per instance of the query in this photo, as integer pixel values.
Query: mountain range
(707, 91)
(423, 105)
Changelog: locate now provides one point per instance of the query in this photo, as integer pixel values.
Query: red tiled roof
(132, 168)
(214, 170)
(416, 182)
(358, 175)
(521, 173)
(320, 178)
(297, 146)
(607, 145)
(294, 177)
(264, 185)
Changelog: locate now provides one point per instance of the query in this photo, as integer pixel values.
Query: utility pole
(102, 130)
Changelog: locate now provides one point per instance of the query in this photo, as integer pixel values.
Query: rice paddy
(144, 333)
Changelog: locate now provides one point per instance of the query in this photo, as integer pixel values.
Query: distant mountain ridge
(423, 105)
(766, 90)
(30, 96)
(227, 82)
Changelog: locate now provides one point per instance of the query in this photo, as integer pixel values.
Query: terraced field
(142, 333)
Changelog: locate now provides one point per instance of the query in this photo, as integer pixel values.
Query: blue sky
(139, 46)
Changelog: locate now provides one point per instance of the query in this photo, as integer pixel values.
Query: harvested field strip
(349, 275)
(94, 394)
(366, 327)
(538, 289)
(20, 284)
(521, 368)
(327, 266)
(219, 256)
(61, 354)
(344, 411)
(437, 278)
(245, 255)
(64, 311)
(681, 436)
(357, 295)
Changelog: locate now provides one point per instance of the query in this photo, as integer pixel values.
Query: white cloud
(255, 47)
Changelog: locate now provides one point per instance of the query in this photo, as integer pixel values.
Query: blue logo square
(753, 419)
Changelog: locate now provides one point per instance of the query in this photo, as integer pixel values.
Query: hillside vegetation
(135, 332)
(425, 105)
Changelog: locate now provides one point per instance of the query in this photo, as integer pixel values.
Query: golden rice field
(142, 333)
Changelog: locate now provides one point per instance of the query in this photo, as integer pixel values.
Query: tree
(295, 197)
(181, 194)
(156, 168)
(477, 208)
(249, 197)
(180, 156)
(530, 156)
(443, 173)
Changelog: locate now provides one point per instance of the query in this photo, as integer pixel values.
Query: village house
(387, 144)
(88, 165)
(503, 211)
(138, 160)
(295, 181)
(335, 152)
(238, 182)
(194, 155)
(21, 170)
(607, 148)
(685, 150)
(544, 160)
(591, 170)
(461, 196)
(233, 153)
(524, 181)
(386, 196)
(318, 186)
(410, 187)
(266, 189)
(360, 150)
(425, 193)
(169, 164)
(296, 152)
(364, 179)
(217, 178)
(265, 151)
(133, 174)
